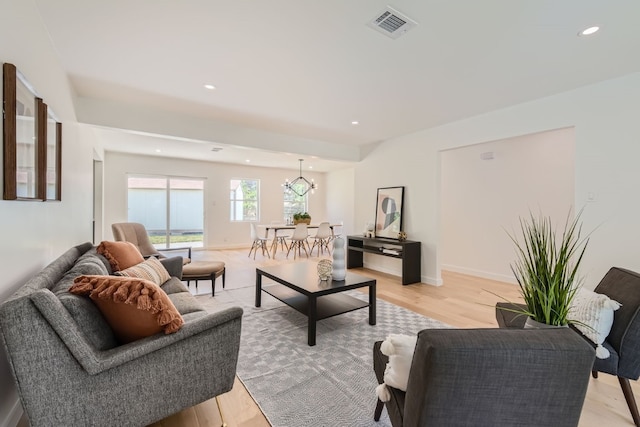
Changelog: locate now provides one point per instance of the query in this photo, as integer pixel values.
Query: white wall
(35, 233)
(219, 231)
(340, 202)
(482, 199)
(607, 146)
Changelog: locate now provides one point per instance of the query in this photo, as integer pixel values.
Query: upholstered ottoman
(204, 270)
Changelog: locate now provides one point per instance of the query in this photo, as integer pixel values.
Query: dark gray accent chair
(491, 377)
(623, 341)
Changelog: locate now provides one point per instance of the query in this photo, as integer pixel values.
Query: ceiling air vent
(392, 23)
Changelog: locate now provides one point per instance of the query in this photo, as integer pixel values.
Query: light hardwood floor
(463, 301)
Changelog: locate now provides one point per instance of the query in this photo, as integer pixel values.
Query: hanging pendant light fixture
(301, 185)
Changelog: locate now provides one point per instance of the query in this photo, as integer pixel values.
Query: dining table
(280, 239)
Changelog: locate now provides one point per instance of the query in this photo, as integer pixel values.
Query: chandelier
(301, 185)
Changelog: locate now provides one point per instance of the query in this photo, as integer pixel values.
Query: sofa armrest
(183, 248)
(173, 265)
(95, 362)
(229, 318)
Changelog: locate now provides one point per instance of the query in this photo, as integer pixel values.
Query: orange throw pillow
(134, 308)
(121, 255)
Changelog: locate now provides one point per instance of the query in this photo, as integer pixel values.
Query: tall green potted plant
(546, 268)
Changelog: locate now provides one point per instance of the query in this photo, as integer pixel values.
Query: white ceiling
(308, 68)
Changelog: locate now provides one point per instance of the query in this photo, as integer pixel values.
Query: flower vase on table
(339, 265)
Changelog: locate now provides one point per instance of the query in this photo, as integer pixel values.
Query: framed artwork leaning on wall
(389, 212)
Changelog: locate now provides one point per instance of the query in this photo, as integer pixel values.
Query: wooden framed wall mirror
(31, 142)
(53, 180)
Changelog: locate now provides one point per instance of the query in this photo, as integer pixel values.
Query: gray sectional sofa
(70, 370)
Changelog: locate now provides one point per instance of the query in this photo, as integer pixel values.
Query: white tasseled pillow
(592, 314)
(400, 349)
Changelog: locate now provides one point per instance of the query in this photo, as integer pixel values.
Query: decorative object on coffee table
(547, 266)
(324, 269)
(339, 264)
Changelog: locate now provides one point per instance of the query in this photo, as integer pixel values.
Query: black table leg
(313, 314)
(258, 289)
(372, 304)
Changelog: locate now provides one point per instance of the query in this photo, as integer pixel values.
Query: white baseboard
(13, 416)
(224, 246)
(431, 281)
(479, 273)
(424, 279)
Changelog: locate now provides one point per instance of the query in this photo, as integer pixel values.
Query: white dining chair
(322, 238)
(299, 240)
(258, 242)
(280, 236)
(336, 230)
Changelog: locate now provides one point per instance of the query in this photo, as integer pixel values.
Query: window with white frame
(244, 199)
(294, 203)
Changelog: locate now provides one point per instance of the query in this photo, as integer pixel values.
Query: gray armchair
(136, 233)
(491, 377)
(623, 341)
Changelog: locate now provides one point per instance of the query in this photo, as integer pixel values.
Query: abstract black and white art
(389, 212)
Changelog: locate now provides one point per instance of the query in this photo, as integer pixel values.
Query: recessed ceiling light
(355, 122)
(209, 86)
(588, 31)
(248, 161)
(158, 150)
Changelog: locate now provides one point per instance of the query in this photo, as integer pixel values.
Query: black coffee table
(298, 286)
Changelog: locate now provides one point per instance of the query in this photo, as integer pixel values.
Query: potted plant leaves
(299, 217)
(546, 269)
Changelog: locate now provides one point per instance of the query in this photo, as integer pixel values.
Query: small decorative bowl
(324, 269)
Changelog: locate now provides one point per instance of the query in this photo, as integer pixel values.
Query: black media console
(406, 250)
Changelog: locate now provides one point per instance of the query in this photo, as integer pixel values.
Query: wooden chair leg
(254, 248)
(378, 412)
(631, 401)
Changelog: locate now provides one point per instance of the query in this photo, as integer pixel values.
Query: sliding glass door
(171, 209)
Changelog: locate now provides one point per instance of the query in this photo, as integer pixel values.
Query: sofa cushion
(150, 269)
(90, 321)
(134, 308)
(121, 255)
(185, 302)
(173, 286)
(90, 263)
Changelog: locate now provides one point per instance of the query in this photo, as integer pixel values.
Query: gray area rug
(330, 384)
